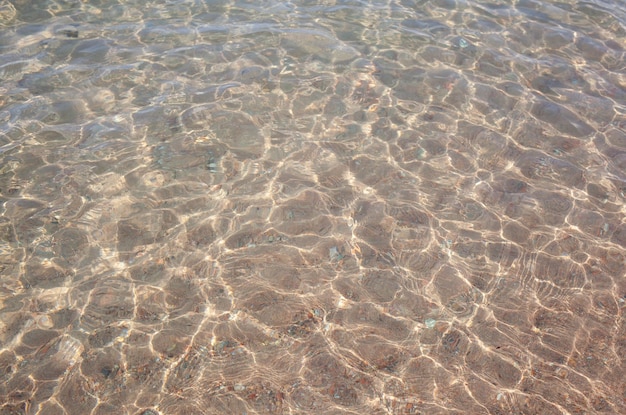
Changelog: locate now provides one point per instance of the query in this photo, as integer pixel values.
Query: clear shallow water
(312, 207)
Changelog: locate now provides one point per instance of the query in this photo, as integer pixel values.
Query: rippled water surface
(312, 207)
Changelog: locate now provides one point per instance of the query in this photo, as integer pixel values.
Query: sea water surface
(312, 207)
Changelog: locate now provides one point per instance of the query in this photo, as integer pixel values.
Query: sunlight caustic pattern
(384, 207)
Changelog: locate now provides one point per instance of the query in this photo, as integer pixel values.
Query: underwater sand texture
(312, 207)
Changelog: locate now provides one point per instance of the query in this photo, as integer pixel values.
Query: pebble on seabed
(44, 322)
